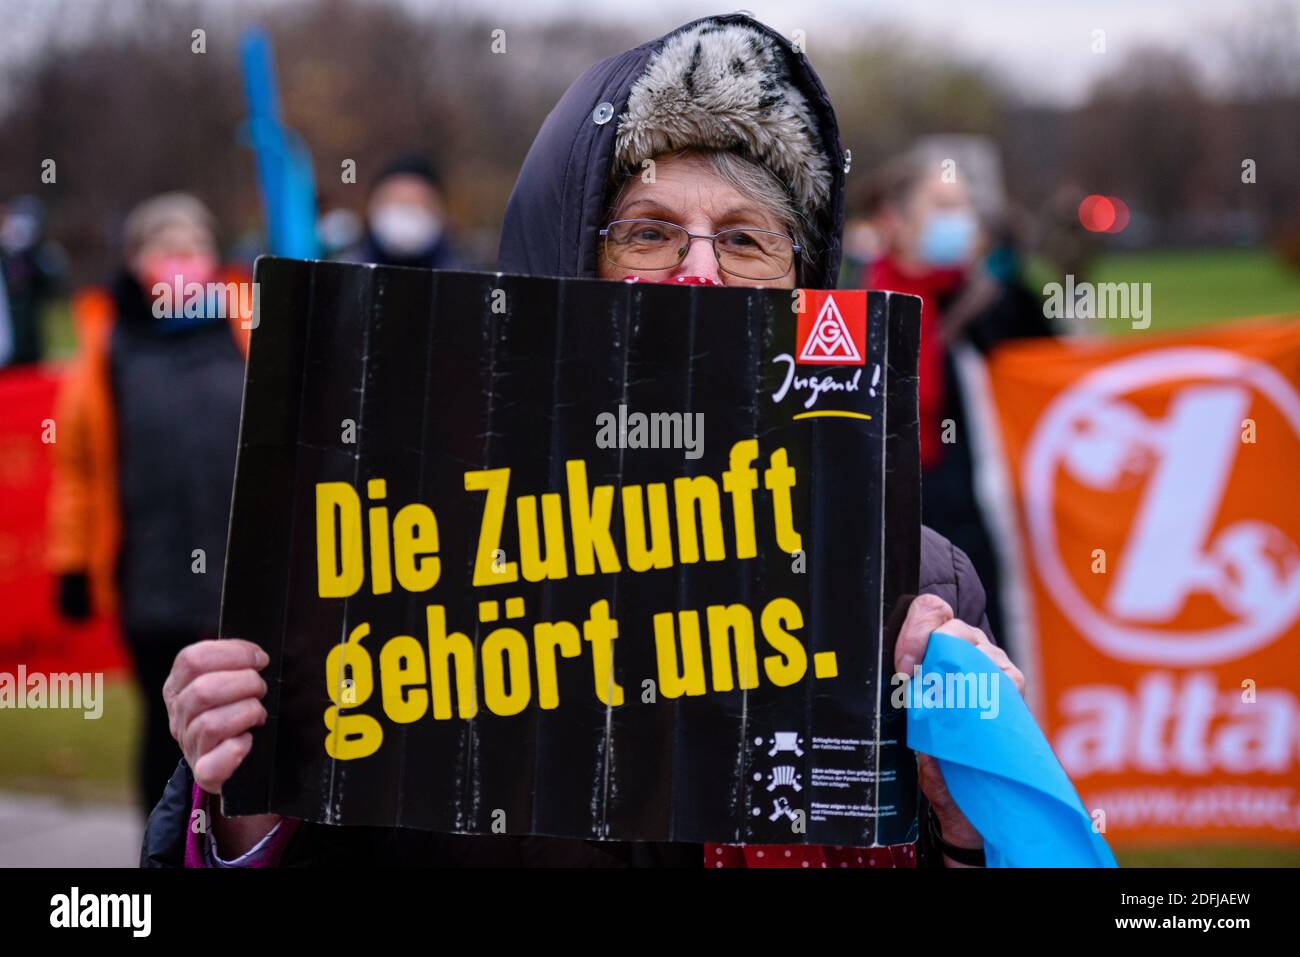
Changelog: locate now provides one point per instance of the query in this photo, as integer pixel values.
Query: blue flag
(284, 169)
(1000, 769)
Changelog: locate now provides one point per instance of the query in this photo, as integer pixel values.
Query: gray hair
(166, 209)
(756, 183)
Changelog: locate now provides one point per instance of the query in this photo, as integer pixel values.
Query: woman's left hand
(928, 614)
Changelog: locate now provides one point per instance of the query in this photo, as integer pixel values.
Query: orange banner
(1156, 573)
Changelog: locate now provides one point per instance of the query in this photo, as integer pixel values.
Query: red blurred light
(1121, 214)
(1097, 213)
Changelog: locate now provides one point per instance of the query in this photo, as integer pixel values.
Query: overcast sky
(1044, 47)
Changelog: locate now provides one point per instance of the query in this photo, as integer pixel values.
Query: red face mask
(677, 281)
(200, 268)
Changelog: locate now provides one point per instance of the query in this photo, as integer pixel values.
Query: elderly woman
(708, 156)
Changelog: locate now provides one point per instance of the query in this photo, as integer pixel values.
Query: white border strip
(995, 495)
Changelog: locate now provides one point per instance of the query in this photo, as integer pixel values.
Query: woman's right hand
(213, 697)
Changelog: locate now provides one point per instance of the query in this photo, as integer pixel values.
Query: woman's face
(937, 226)
(178, 248)
(688, 193)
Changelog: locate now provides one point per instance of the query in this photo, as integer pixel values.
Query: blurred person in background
(864, 236)
(406, 219)
(957, 250)
(338, 231)
(147, 424)
(862, 247)
(31, 275)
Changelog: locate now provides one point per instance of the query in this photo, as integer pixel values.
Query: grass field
(64, 754)
(1193, 288)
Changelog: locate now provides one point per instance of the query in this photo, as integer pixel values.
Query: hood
(716, 81)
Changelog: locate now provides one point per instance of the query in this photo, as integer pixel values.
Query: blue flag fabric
(284, 168)
(1000, 769)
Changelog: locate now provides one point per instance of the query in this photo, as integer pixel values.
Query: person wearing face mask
(937, 247)
(406, 216)
(148, 422)
(931, 238)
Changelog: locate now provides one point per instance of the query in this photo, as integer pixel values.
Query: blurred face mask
(200, 268)
(405, 230)
(19, 232)
(948, 237)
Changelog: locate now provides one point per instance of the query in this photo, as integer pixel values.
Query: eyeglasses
(647, 245)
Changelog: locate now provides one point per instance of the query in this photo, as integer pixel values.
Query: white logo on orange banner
(1180, 461)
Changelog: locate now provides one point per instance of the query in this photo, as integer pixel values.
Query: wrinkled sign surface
(576, 557)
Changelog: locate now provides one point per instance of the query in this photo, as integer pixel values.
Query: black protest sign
(574, 557)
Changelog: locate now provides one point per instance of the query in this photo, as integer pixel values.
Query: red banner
(31, 631)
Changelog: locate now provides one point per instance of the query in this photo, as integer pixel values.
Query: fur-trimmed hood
(725, 81)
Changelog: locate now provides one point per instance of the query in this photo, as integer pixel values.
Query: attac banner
(577, 558)
(1155, 489)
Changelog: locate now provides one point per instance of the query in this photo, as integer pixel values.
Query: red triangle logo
(830, 340)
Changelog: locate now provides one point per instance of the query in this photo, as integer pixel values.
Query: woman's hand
(213, 697)
(928, 614)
